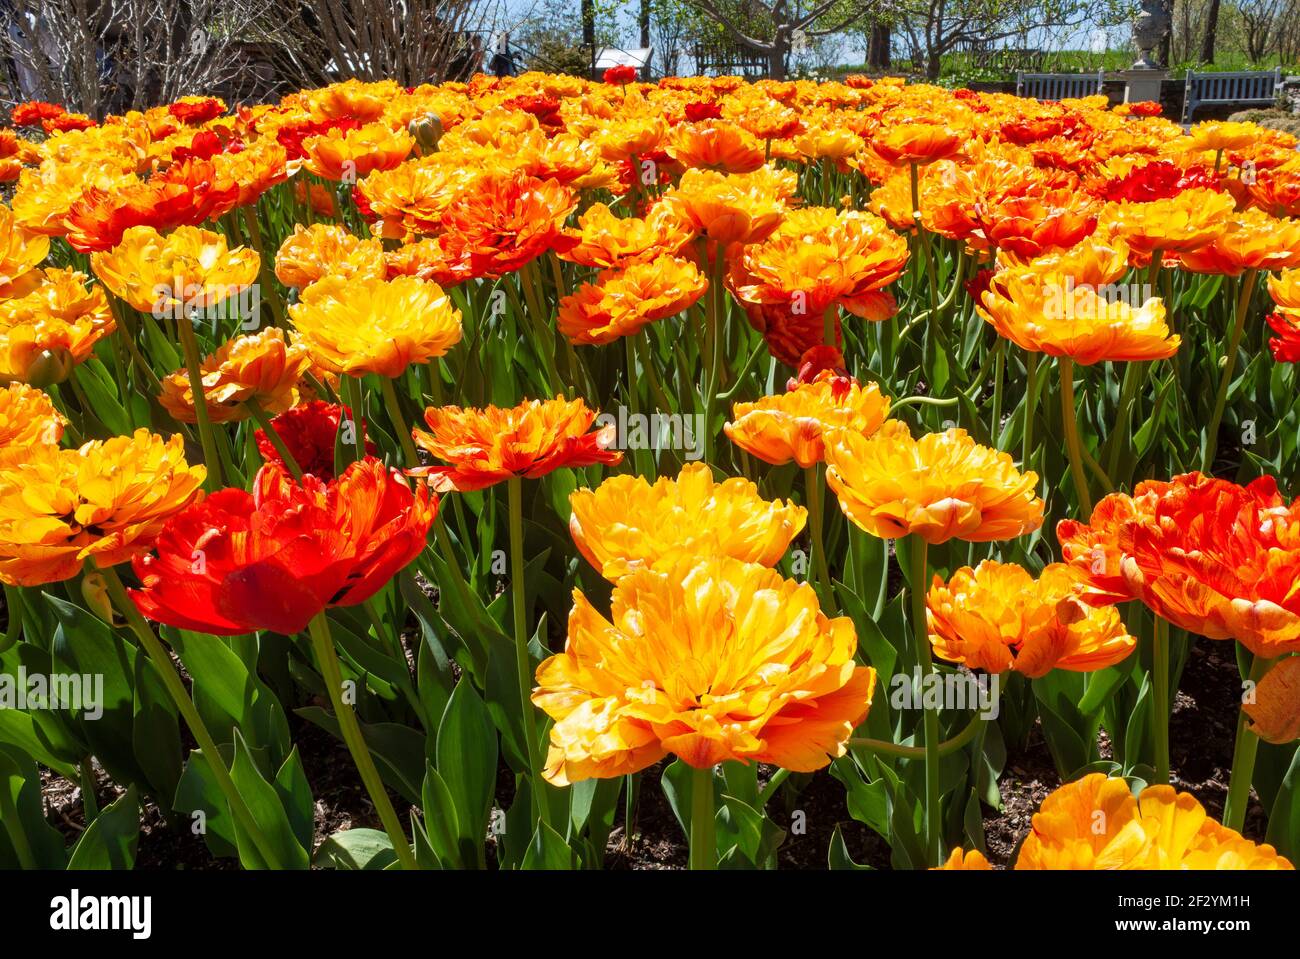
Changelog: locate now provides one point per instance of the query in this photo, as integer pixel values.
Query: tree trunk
(1166, 44)
(643, 21)
(776, 62)
(1211, 29)
(878, 43)
(589, 33)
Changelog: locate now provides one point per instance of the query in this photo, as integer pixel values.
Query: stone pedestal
(1142, 85)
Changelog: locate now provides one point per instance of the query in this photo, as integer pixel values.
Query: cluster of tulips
(1041, 354)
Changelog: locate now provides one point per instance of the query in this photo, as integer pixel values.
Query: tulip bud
(94, 590)
(427, 131)
(49, 367)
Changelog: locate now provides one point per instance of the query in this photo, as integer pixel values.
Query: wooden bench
(1248, 88)
(1059, 86)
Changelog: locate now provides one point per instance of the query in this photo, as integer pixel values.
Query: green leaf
(268, 812)
(467, 763)
(111, 840)
(548, 850)
(358, 849)
(22, 815)
(1284, 820)
(838, 856)
(441, 823)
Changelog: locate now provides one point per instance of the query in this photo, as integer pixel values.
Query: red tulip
(272, 559)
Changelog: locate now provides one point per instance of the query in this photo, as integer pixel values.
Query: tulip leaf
(467, 762)
(26, 839)
(1136, 731)
(267, 809)
(867, 802)
(547, 850)
(356, 849)
(229, 697)
(441, 824)
(198, 795)
(295, 793)
(838, 855)
(398, 750)
(110, 841)
(156, 734)
(1284, 820)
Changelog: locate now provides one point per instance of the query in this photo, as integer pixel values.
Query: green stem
(273, 435)
(185, 705)
(1243, 758)
(1229, 365)
(398, 421)
(332, 673)
(1160, 690)
(975, 726)
(89, 802)
(999, 367)
(522, 660)
(1032, 361)
(190, 346)
(1123, 414)
(1073, 444)
(818, 568)
(354, 397)
(921, 635)
(264, 265)
(704, 847)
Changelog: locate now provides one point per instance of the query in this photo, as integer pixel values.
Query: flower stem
(930, 719)
(975, 726)
(704, 847)
(1160, 690)
(273, 435)
(398, 421)
(1229, 366)
(522, 660)
(1243, 759)
(1032, 361)
(190, 346)
(1073, 444)
(819, 572)
(332, 673)
(185, 705)
(354, 399)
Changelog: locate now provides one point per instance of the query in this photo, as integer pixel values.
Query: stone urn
(1149, 30)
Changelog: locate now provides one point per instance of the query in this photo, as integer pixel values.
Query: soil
(1201, 741)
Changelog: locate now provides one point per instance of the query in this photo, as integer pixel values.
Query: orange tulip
(942, 486)
(364, 325)
(28, 420)
(105, 501)
(793, 425)
(1096, 823)
(261, 368)
(320, 250)
(1214, 558)
(487, 446)
(627, 524)
(621, 302)
(997, 617)
(505, 221)
(710, 660)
